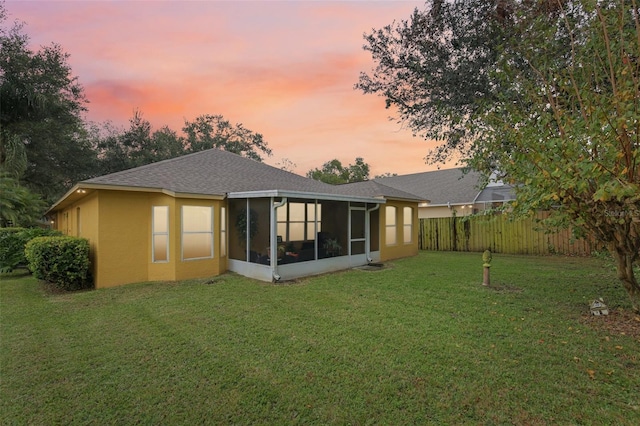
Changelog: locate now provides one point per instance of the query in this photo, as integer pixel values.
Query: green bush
(62, 261)
(13, 242)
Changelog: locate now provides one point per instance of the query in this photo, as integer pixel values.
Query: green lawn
(420, 342)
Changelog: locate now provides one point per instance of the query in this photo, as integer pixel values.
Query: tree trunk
(624, 265)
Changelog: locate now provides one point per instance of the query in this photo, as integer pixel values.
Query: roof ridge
(146, 166)
(396, 189)
(137, 169)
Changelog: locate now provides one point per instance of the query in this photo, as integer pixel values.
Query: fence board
(498, 234)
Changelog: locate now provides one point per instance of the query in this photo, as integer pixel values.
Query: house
(451, 192)
(202, 214)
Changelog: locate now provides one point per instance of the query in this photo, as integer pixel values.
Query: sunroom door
(358, 235)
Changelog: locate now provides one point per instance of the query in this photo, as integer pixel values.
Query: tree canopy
(18, 205)
(214, 131)
(334, 172)
(435, 69)
(546, 93)
(573, 133)
(140, 144)
(40, 115)
(136, 146)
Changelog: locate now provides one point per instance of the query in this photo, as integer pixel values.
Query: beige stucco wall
(401, 248)
(118, 227)
(124, 243)
(81, 220)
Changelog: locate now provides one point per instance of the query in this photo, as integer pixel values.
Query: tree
(286, 165)
(40, 114)
(552, 105)
(385, 175)
(13, 155)
(571, 139)
(435, 69)
(135, 146)
(18, 205)
(331, 172)
(334, 172)
(165, 144)
(139, 144)
(213, 131)
(359, 171)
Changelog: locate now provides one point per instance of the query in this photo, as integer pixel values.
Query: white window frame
(207, 232)
(406, 225)
(223, 231)
(388, 226)
(155, 233)
(307, 223)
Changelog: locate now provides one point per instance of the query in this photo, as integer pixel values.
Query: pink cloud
(284, 69)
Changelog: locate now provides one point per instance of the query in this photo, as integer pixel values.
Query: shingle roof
(212, 172)
(216, 172)
(440, 186)
(454, 186)
(374, 189)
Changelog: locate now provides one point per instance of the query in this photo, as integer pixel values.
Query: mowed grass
(419, 342)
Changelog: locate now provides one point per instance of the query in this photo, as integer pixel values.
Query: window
(390, 225)
(160, 234)
(197, 232)
(311, 220)
(297, 221)
(223, 231)
(78, 226)
(407, 224)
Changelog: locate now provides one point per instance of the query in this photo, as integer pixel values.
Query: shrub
(62, 261)
(13, 242)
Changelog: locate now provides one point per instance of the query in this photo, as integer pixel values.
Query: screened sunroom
(276, 235)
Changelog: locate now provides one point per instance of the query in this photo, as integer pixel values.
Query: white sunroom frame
(274, 271)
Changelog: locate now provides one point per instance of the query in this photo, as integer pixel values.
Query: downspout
(315, 230)
(273, 238)
(367, 246)
(247, 231)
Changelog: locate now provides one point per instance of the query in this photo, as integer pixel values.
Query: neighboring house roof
(449, 186)
(440, 186)
(496, 193)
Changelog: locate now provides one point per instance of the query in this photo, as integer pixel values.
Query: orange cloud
(283, 69)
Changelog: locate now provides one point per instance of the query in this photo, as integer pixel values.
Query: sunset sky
(285, 69)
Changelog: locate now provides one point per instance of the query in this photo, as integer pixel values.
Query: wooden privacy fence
(498, 234)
